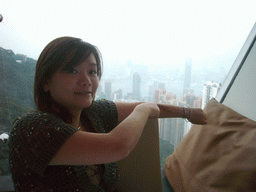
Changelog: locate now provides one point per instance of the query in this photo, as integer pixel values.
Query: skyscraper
(187, 78)
(161, 86)
(136, 87)
(118, 95)
(108, 89)
(210, 90)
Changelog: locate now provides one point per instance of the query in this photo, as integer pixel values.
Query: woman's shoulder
(104, 114)
(36, 117)
(103, 105)
(40, 124)
(103, 108)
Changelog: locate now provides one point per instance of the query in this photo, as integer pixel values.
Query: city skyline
(131, 71)
(173, 80)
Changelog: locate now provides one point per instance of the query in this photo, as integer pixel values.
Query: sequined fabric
(94, 172)
(36, 137)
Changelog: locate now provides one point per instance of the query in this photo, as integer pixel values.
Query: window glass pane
(163, 51)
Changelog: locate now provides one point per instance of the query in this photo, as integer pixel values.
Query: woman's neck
(76, 122)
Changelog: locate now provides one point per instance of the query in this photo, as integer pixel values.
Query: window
(164, 51)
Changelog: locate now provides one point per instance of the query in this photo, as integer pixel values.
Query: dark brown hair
(60, 54)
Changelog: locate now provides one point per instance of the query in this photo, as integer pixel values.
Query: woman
(71, 141)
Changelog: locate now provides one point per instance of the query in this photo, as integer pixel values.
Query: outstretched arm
(86, 148)
(194, 115)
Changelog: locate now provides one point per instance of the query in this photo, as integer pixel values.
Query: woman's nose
(85, 80)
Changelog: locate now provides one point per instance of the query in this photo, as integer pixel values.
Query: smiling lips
(83, 93)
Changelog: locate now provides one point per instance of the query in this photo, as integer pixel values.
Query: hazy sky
(146, 32)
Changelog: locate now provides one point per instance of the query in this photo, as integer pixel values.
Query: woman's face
(75, 89)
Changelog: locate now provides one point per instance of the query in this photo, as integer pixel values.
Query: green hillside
(16, 85)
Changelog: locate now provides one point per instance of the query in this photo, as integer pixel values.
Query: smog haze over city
(153, 38)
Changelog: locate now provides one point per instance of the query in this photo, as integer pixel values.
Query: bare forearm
(166, 110)
(194, 115)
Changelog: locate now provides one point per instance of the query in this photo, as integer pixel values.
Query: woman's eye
(73, 71)
(94, 72)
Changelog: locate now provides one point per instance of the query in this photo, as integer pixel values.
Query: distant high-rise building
(188, 99)
(187, 78)
(136, 87)
(198, 102)
(118, 95)
(161, 86)
(210, 90)
(101, 96)
(99, 90)
(159, 95)
(128, 96)
(108, 89)
(151, 93)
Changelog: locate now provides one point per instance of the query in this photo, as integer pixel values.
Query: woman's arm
(84, 148)
(194, 115)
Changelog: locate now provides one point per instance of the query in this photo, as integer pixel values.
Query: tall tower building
(108, 89)
(136, 87)
(118, 95)
(151, 93)
(187, 78)
(210, 90)
(161, 86)
(99, 90)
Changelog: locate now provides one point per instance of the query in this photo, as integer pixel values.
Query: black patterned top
(36, 137)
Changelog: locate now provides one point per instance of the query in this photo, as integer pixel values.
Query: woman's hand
(196, 116)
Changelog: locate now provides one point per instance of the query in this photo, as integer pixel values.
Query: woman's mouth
(83, 93)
